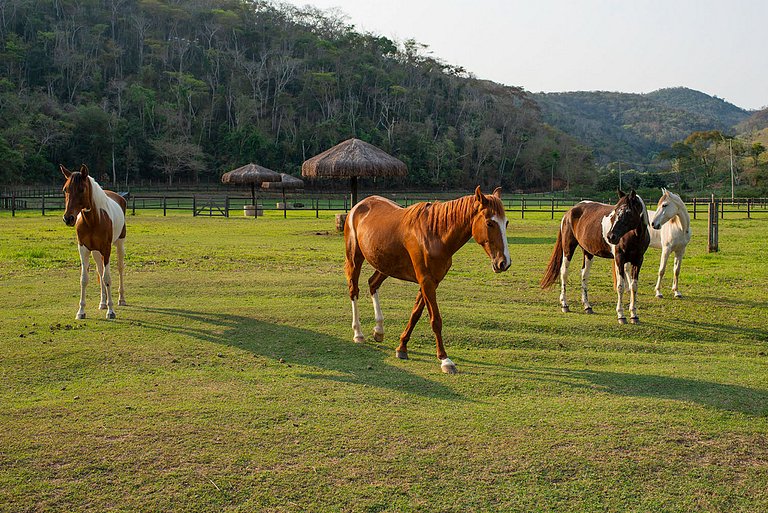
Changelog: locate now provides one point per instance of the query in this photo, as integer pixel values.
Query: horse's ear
(84, 170)
(480, 197)
(632, 194)
(66, 172)
(621, 193)
(497, 192)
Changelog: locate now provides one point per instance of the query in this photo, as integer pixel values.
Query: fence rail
(227, 204)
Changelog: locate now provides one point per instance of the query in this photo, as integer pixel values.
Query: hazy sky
(718, 47)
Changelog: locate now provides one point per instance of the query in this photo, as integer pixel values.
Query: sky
(717, 47)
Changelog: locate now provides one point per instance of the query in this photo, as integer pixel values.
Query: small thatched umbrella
(286, 182)
(351, 159)
(250, 174)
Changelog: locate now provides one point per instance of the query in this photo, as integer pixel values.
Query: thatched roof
(250, 174)
(351, 158)
(287, 182)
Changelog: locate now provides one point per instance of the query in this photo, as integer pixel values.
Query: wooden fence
(227, 205)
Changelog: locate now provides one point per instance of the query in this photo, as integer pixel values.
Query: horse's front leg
(418, 307)
(106, 281)
(618, 273)
(85, 255)
(99, 259)
(662, 268)
(632, 272)
(429, 289)
(563, 282)
(120, 246)
(678, 263)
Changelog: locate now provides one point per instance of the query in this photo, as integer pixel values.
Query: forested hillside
(171, 90)
(635, 128)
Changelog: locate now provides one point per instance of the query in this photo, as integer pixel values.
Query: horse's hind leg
(662, 268)
(586, 266)
(120, 247)
(85, 255)
(678, 263)
(353, 263)
(374, 282)
(106, 280)
(418, 308)
(569, 246)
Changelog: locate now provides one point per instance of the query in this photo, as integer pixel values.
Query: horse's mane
(99, 198)
(440, 215)
(645, 212)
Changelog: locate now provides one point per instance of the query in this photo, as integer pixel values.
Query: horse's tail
(555, 262)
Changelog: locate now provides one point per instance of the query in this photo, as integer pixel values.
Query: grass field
(231, 382)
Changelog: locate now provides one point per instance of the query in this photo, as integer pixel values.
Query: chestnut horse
(99, 220)
(670, 232)
(616, 231)
(417, 244)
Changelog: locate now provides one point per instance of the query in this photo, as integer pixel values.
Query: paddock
(230, 382)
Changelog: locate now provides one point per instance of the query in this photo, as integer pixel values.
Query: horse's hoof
(403, 355)
(122, 303)
(111, 315)
(622, 320)
(378, 337)
(588, 310)
(634, 320)
(102, 306)
(659, 295)
(448, 366)
(678, 295)
(80, 316)
(359, 339)
(565, 309)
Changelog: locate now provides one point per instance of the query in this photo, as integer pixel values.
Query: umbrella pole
(353, 187)
(253, 194)
(285, 206)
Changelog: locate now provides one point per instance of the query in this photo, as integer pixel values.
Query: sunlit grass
(231, 382)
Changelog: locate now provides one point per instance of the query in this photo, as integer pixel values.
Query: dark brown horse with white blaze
(616, 231)
(99, 220)
(417, 244)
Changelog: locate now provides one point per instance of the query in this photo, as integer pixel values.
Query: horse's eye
(489, 223)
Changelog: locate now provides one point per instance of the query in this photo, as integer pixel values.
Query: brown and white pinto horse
(99, 220)
(417, 244)
(616, 231)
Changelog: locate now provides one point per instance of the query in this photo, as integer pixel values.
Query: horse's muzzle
(655, 225)
(501, 266)
(69, 220)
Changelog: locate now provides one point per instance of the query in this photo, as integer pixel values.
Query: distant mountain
(635, 127)
(754, 123)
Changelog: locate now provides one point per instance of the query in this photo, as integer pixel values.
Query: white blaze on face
(502, 222)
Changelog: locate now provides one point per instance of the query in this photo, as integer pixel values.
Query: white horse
(670, 231)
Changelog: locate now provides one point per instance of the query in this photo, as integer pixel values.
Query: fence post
(522, 207)
(133, 208)
(226, 205)
(317, 208)
(194, 206)
(165, 205)
(712, 242)
(552, 207)
(749, 201)
(43, 204)
(721, 206)
(694, 208)
(13, 204)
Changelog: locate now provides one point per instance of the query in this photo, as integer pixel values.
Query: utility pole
(619, 174)
(730, 151)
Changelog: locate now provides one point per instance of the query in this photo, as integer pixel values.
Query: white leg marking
(584, 278)
(563, 282)
(447, 366)
(85, 256)
(632, 287)
(378, 329)
(620, 292)
(97, 257)
(120, 247)
(356, 322)
(678, 263)
(662, 269)
(106, 280)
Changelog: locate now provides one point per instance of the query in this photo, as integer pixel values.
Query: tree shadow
(731, 398)
(362, 364)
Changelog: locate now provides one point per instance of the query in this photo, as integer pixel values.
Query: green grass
(231, 382)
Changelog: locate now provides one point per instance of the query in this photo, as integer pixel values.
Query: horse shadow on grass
(362, 364)
(728, 398)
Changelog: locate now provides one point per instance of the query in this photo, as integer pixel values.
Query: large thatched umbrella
(351, 159)
(286, 182)
(250, 174)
